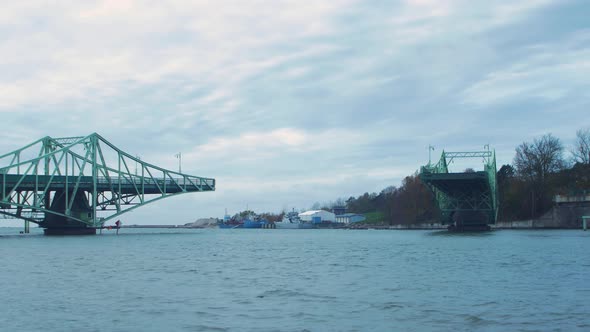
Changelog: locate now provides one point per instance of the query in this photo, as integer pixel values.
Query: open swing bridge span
(73, 185)
(467, 200)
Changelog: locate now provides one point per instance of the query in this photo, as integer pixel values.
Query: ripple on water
(291, 294)
(486, 304)
(205, 328)
(297, 281)
(387, 306)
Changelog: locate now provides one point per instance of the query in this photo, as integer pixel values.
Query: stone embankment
(402, 227)
(560, 216)
(203, 223)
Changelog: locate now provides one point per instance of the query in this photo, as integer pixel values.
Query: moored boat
(230, 224)
(291, 220)
(249, 223)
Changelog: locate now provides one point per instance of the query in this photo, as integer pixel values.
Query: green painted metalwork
(466, 198)
(83, 182)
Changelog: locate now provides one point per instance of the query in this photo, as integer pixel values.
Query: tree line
(539, 171)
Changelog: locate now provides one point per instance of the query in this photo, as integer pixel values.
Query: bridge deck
(122, 185)
(454, 182)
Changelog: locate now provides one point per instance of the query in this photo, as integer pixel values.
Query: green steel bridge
(73, 185)
(467, 200)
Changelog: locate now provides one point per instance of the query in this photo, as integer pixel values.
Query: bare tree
(535, 161)
(316, 206)
(581, 150)
(340, 202)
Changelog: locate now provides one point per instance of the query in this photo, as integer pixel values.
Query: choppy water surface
(296, 280)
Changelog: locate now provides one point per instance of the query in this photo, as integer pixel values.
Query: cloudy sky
(287, 103)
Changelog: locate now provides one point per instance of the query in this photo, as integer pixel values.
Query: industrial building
(348, 218)
(317, 216)
(339, 210)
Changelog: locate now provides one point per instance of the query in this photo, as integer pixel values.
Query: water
(296, 280)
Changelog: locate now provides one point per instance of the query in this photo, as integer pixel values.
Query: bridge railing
(184, 182)
(42, 180)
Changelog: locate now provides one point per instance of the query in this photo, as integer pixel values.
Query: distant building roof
(339, 210)
(308, 213)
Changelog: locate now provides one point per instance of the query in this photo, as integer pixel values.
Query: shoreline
(499, 226)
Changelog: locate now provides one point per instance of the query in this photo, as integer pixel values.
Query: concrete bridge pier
(58, 224)
(469, 221)
(69, 231)
(469, 228)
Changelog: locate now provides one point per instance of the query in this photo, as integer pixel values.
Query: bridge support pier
(468, 228)
(56, 224)
(69, 231)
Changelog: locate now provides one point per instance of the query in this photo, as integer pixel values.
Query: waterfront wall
(419, 226)
(404, 226)
(560, 216)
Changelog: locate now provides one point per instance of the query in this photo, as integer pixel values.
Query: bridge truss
(468, 198)
(82, 182)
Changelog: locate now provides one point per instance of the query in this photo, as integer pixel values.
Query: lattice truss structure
(83, 182)
(465, 192)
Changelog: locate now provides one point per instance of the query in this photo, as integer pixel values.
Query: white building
(347, 218)
(317, 216)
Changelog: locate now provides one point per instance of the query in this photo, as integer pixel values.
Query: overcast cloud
(287, 103)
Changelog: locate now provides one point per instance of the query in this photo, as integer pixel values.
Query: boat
(291, 220)
(229, 222)
(250, 223)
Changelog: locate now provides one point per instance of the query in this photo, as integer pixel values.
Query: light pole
(430, 149)
(138, 158)
(179, 156)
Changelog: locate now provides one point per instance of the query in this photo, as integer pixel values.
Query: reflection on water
(446, 233)
(296, 280)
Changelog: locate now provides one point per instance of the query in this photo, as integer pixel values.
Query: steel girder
(84, 168)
